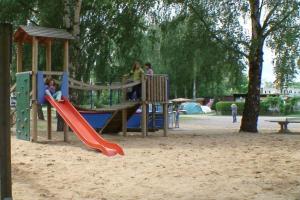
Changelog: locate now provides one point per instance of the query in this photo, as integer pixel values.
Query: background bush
(268, 106)
(224, 107)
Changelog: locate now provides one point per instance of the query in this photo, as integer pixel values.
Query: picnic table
(284, 123)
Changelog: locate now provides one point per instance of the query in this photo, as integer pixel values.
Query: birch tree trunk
(75, 62)
(67, 15)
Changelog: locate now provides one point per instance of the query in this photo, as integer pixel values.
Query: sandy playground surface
(206, 158)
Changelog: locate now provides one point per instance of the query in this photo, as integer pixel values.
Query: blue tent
(191, 108)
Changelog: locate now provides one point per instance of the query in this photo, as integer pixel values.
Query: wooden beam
(147, 119)
(144, 119)
(19, 57)
(152, 86)
(143, 88)
(48, 68)
(66, 69)
(144, 107)
(52, 73)
(35, 51)
(166, 90)
(166, 119)
(156, 89)
(148, 88)
(66, 56)
(163, 89)
(5, 137)
(49, 122)
(124, 122)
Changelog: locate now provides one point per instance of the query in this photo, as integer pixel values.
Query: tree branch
(261, 7)
(33, 22)
(277, 24)
(214, 35)
(269, 15)
(28, 7)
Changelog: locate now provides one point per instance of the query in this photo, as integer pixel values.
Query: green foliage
(224, 107)
(272, 105)
(268, 106)
(276, 105)
(105, 99)
(201, 42)
(264, 108)
(287, 109)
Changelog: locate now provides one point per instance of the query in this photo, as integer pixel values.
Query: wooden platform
(114, 124)
(110, 109)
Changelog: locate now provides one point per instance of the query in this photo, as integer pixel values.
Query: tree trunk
(251, 110)
(60, 123)
(75, 53)
(40, 112)
(67, 15)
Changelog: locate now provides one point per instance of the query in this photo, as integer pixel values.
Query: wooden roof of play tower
(26, 33)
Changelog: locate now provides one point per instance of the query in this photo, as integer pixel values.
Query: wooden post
(156, 89)
(34, 85)
(154, 116)
(144, 108)
(124, 122)
(166, 102)
(166, 120)
(163, 89)
(66, 69)
(148, 88)
(147, 119)
(48, 68)
(5, 142)
(19, 56)
(49, 122)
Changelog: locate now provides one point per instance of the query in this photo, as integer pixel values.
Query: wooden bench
(284, 123)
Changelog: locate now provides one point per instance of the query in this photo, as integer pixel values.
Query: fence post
(5, 143)
(34, 109)
(144, 107)
(66, 69)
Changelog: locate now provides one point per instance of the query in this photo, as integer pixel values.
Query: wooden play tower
(36, 36)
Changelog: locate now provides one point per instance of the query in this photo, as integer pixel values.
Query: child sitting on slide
(50, 89)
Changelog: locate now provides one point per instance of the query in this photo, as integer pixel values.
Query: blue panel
(40, 88)
(65, 85)
(159, 120)
(96, 120)
(134, 121)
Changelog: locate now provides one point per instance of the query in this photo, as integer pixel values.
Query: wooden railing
(155, 88)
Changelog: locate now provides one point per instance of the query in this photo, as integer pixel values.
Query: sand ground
(206, 158)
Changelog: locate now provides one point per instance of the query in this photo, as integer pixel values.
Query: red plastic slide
(83, 129)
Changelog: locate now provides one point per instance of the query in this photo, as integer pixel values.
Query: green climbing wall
(23, 106)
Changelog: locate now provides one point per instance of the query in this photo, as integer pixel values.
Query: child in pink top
(149, 70)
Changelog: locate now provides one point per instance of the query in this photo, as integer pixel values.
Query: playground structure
(154, 91)
(31, 84)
